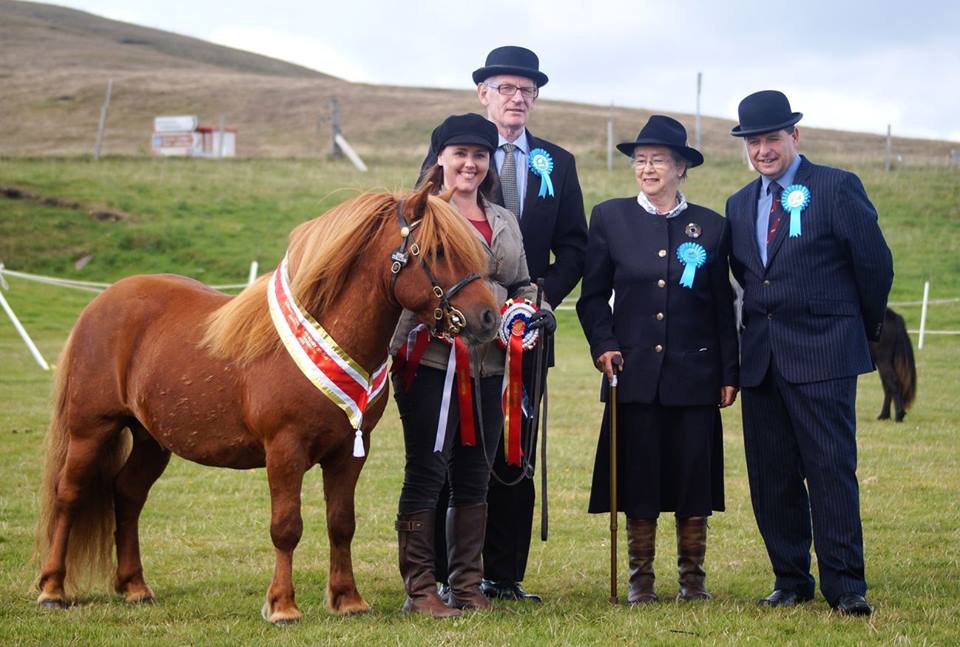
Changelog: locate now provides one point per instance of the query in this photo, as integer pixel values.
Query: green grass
(205, 533)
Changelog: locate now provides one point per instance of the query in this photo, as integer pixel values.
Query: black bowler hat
(764, 112)
(511, 59)
(661, 130)
(465, 129)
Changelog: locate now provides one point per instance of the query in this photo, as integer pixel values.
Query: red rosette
(515, 336)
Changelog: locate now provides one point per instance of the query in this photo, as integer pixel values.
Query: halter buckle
(437, 290)
(457, 322)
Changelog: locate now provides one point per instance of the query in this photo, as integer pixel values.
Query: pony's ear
(418, 201)
(447, 195)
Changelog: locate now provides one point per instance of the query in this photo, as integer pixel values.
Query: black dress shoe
(523, 595)
(853, 604)
(784, 598)
(506, 591)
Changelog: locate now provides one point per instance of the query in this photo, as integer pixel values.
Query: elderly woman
(440, 444)
(671, 325)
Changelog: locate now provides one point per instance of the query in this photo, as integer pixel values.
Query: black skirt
(670, 459)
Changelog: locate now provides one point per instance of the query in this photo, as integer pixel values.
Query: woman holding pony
(444, 439)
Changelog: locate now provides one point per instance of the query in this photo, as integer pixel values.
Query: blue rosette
(692, 256)
(795, 199)
(541, 164)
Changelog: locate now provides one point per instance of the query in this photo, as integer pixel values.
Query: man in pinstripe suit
(815, 271)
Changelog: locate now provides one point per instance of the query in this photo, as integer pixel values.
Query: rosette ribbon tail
(689, 272)
(513, 400)
(795, 226)
(546, 186)
(468, 433)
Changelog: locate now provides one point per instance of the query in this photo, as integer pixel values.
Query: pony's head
(351, 249)
(438, 267)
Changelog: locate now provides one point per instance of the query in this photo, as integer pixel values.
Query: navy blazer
(822, 294)
(554, 223)
(679, 344)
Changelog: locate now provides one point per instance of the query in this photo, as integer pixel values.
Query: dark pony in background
(893, 355)
(163, 364)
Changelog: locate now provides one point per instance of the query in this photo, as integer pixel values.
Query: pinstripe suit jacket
(821, 295)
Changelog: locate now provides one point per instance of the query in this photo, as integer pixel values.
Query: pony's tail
(91, 540)
(904, 364)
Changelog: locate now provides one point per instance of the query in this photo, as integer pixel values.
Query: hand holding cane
(612, 405)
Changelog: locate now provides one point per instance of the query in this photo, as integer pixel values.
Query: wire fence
(97, 287)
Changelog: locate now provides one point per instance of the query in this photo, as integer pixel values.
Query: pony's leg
(286, 464)
(144, 466)
(339, 486)
(898, 400)
(889, 381)
(78, 470)
(885, 409)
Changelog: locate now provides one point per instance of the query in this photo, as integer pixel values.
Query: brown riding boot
(641, 549)
(691, 549)
(466, 528)
(415, 540)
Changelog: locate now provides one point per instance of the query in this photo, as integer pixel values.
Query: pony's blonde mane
(322, 253)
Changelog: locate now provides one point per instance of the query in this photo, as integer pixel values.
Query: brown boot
(466, 528)
(415, 540)
(641, 548)
(691, 549)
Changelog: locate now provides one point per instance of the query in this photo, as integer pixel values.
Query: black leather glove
(543, 319)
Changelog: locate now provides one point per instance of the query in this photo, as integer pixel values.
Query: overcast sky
(846, 65)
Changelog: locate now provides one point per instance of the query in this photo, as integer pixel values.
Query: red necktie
(776, 211)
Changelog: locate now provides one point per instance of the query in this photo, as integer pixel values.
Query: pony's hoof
(346, 601)
(352, 608)
(290, 617)
(51, 603)
(139, 595)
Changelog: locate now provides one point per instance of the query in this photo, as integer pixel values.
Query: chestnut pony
(160, 364)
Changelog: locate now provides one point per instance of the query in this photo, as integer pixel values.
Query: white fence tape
(74, 284)
(94, 286)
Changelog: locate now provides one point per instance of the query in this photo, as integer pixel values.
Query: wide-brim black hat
(511, 59)
(764, 112)
(661, 130)
(470, 128)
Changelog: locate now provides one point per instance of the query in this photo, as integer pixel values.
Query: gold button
(658, 348)
(659, 316)
(662, 253)
(661, 283)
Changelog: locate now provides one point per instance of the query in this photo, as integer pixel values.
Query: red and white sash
(320, 358)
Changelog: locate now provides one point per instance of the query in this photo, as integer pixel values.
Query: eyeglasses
(658, 163)
(509, 90)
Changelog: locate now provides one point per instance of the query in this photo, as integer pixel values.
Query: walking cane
(612, 404)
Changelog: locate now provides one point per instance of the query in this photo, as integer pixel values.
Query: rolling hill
(55, 64)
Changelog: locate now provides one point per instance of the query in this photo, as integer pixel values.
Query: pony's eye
(439, 251)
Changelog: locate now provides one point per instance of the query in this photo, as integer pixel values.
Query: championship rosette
(515, 336)
(795, 199)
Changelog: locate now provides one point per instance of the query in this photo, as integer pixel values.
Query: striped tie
(776, 211)
(508, 180)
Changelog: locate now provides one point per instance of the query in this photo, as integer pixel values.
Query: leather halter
(448, 319)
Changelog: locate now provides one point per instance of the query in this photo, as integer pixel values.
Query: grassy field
(205, 533)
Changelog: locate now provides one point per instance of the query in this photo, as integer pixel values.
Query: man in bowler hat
(549, 206)
(815, 271)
